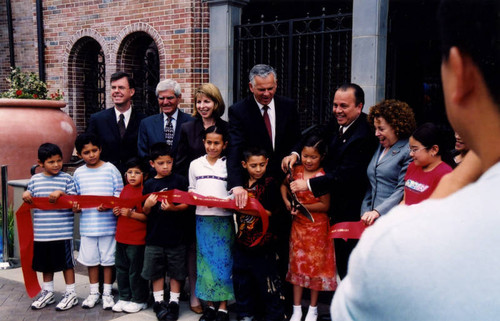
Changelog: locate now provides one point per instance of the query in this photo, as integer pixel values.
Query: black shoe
(208, 315)
(221, 316)
(161, 310)
(173, 311)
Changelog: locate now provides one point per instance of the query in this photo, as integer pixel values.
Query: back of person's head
(136, 162)
(262, 71)
(47, 150)
(168, 84)
(212, 92)
(429, 135)
(119, 75)
(158, 150)
(253, 151)
(359, 94)
(316, 142)
(86, 138)
(473, 26)
(216, 130)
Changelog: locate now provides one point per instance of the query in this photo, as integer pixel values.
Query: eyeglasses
(415, 150)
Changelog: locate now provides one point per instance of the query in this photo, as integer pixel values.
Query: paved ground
(15, 303)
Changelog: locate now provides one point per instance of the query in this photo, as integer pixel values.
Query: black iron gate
(311, 55)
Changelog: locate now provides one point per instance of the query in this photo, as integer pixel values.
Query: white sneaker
(118, 307)
(312, 314)
(107, 301)
(91, 300)
(68, 301)
(45, 298)
(133, 307)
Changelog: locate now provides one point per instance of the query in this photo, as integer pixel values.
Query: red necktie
(267, 122)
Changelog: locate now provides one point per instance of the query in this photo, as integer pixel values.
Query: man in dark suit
(164, 127)
(270, 122)
(352, 144)
(117, 127)
(247, 128)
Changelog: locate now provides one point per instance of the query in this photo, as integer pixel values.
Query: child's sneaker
(118, 307)
(133, 307)
(45, 298)
(91, 300)
(68, 301)
(107, 301)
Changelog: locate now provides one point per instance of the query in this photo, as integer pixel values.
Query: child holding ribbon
(312, 263)
(214, 227)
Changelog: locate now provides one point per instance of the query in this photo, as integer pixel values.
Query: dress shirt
(271, 112)
(173, 117)
(126, 115)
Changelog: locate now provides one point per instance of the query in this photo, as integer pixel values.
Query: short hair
(216, 130)
(397, 114)
(121, 74)
(213, 93)
(47, 150)
(359, 94)
(136, 162)
(317, 143)
(253, 151)
(263, 71)
(473, 26)
(158, 150)
(429, 135)
(168, 84)
(86, 138)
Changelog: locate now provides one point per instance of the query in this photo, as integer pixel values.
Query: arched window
(86, 81)
(138, 55)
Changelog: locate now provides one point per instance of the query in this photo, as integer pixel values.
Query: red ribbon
(347, 230)
(25, 225)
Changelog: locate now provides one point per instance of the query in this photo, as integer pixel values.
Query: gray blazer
(386, 178)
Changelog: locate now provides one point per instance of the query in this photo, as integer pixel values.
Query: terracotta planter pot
(25, 124)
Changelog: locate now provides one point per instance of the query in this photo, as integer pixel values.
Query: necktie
(169, 132)
(121, 125)
(341, 131)
(267, 122)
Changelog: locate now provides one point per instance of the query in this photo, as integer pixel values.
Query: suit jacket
(345, 166)
(387, 178)
(191, 143)
(152, 130)
(116, 150)
(247, 129)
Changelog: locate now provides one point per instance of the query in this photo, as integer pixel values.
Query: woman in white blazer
(394, 122)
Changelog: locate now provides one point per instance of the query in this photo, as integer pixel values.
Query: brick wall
(179, 29)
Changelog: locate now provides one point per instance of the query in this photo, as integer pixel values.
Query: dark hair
(473, 26)
(253, 151)
(137, 162)
(158, 150)
(359, 94)
(48, 150)
(84, 139)
(429, 135)
(317, 143)
(397, 114)
(216, 130)
(119, 75)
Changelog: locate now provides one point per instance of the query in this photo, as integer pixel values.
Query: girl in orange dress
(312, 263)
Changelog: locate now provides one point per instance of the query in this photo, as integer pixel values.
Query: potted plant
(29, 117)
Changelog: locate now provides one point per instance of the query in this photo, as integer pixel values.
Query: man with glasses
(117, 127)
(164, 127)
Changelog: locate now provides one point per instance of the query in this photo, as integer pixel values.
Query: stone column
(224, 15)
(369, 48)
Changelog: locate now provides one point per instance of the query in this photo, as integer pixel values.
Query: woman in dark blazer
(207, 111)
(394, 122)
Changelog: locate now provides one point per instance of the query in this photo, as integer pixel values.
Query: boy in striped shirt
(53, 229)
(97, 225)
